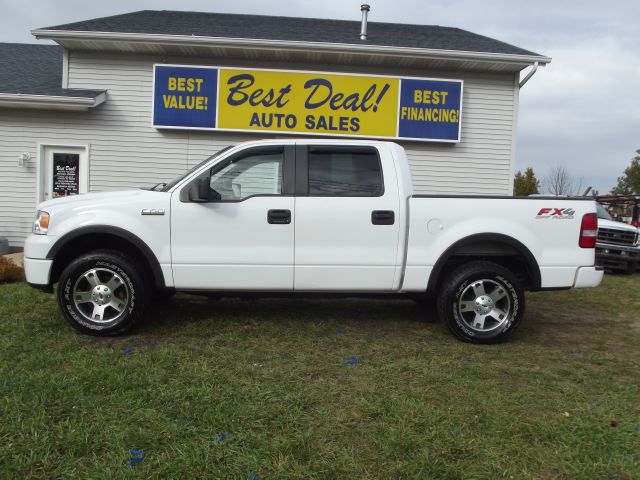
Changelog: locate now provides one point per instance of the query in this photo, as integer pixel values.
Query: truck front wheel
(481, 302)
(102, 293)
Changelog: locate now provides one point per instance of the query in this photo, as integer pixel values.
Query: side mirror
(200, 191)
(202, 185)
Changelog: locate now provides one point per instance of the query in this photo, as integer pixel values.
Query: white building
(84, 108)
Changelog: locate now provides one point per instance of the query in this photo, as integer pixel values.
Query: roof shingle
(293, 29)
(35, 70)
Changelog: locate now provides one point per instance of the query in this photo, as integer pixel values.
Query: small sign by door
(64, 171)
(66, 174)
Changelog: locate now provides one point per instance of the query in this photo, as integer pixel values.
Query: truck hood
(602, 223)
(101, 198)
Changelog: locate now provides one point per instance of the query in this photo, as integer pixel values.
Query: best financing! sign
(309, 103)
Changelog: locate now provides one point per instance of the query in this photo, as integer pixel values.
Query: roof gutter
(262, 44)
(50, 102)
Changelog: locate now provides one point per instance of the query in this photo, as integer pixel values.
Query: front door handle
(383, 217)
(279, 217)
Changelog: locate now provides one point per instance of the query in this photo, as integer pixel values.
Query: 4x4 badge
(558, 213)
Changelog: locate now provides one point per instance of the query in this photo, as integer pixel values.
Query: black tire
(481, 292)
(107, 282)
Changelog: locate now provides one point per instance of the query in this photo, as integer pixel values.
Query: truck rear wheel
(481, 302)
(103, 293)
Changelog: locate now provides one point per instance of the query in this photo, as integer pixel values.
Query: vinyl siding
(126, 152)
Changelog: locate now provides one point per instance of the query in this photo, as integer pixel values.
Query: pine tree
(526, 183)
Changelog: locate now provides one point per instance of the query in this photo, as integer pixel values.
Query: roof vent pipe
(364, 8)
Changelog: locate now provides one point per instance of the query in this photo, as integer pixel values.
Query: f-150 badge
(152, 211)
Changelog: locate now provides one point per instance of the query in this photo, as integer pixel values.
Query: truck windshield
(173, 183)
(602, 213)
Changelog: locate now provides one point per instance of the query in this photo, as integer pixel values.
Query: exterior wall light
(23, 159)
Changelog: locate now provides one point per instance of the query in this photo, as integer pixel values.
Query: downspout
(65, 68)
(532, 72)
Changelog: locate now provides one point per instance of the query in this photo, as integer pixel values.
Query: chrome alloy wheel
(101, 295)
(485, 305)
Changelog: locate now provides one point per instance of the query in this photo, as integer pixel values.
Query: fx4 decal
(556, 213)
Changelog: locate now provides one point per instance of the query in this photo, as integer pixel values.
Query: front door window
(65, 174)
(258, 174)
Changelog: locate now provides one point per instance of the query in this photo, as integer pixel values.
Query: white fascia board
(50, 102)
(186, 40)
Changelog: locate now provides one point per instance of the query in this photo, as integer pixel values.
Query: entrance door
(64, 172)
(244, 239)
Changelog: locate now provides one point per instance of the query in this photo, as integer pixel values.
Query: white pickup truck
(618, 245)
(330, 217)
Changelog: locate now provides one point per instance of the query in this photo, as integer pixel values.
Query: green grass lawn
(560, 400)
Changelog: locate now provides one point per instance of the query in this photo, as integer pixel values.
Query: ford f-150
(302, 216)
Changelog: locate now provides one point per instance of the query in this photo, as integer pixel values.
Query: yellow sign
(302, 102)
(308, 102)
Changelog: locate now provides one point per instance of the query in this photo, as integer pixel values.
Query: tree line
(561, 182)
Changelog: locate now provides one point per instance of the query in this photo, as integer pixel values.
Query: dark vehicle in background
(617, 246)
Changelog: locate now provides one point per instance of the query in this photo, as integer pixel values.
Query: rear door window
(345, 173)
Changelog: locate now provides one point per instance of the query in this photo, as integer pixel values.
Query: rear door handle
(279, 216)
(383, 217)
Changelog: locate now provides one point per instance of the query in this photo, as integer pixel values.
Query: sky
(582, 111)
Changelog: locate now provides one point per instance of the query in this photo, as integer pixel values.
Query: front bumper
(37, 267)
(617, 256)
(38, 271)
(587, 277)
(625, 251)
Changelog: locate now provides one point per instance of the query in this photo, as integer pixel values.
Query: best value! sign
(310, 103)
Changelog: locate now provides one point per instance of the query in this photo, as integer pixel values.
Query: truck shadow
(197, 308)
(185, 310)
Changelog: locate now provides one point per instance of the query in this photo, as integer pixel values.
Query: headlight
(41, 223)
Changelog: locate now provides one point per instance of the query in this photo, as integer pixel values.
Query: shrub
(9, 271)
